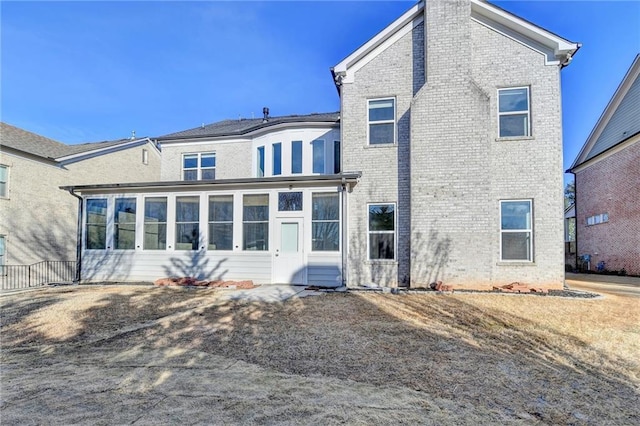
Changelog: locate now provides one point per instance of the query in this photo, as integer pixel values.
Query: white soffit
(556, 49)
(379, 43)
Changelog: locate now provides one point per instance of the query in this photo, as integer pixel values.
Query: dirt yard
(148, 355)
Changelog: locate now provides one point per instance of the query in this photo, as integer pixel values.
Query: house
(444, 163)
(39, 222)
(607, 179)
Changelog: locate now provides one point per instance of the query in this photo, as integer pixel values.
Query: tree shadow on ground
(445, 347)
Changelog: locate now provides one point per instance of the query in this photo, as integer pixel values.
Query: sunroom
(268, 230)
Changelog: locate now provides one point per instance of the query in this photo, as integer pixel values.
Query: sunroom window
(187, 223)
(155, 223)
(513, 112)
(382, 121)
(221, 222)
(325, 222)
(125, 224)
(96, 225)
(255, 222)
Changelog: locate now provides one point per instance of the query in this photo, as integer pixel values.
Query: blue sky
(92, 71)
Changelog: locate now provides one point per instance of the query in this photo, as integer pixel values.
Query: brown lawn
(167, 355)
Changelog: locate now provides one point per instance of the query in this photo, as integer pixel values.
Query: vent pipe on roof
(133, 135)
(265, 113)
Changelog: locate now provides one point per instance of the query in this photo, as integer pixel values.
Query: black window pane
(381, 110)
(190, 175)
(221, 208)
(187, 209)
(190, 162)
(155, 209)
(325, 207)
(124, 236)
(381, 217)
(208, 160)
(514, 125)
(512, 100)
(296, 157)
(155, 236)
(381, 133)
(289, 201)
(256, 236)
(325, 236)
(516, 246)
(381, 246)
(255, 208)
(336, 157)
(220, 236)
(187, 236)
(208, 174)
(277, 159)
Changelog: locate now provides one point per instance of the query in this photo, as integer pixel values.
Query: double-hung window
(516, 232)
(96, 224)
(155, 223)
(124, 220)
(221, 222)
(3, 182)
(382, 121)
(255, 222)
(514, 112)
(187, 223)
(382, 231)
(325, 222)
(201, 166)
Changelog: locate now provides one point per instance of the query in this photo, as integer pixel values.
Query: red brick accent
(611, 185)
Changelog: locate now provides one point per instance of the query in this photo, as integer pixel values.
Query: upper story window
(260, 169)
(516, 233)
(336, 157)
(296, 157)
(145, 156)
(4, 175)
(514, 112)
(318, 156)
(201, 166)
(382, 121)
(277, 158)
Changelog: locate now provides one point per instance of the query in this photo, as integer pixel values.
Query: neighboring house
(607, 175)
(444, 163)
(39, 221)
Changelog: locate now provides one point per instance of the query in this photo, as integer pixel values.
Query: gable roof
(556, 49)
(49, 149)
(31, 143)
(248, 125)
(620, 120)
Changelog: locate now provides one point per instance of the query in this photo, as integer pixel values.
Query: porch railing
(25, 276)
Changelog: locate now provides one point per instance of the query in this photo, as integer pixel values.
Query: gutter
(78, 235)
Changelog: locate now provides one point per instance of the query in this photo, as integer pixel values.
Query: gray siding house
(443, 164)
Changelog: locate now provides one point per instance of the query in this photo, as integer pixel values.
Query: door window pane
(289, 201)
(289, 237)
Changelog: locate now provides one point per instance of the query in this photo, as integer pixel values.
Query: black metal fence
(41, 273)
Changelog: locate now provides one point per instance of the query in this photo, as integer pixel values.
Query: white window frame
(6, 181)
(116, 222)
(528, 111)
(107, 224)
(393, 121)
(210, 222)
(529, 230)
(394, 232)
(198, 167)
(144, 222)
(317, 221)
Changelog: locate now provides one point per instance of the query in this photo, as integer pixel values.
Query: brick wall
(450, 170)
(612, 186)
(233, 159)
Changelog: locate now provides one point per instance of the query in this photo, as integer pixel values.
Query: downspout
(343, 199)
(78, 236)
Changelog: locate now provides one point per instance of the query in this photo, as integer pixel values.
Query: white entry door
(288, 259)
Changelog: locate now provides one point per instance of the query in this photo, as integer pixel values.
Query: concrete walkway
(604, 284)
(269, 293)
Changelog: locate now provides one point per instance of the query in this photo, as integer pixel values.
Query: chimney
(448, 40)
(265, 113)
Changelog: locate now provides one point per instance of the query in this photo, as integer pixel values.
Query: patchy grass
(356, 358)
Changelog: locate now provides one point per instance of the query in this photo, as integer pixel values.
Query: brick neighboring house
(38, 221)
(607, 176)
(444, 163)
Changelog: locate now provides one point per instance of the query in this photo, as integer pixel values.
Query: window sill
(515, 138)
(515, 263)
(381, 145)
(381, 261)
